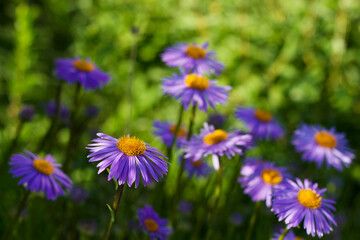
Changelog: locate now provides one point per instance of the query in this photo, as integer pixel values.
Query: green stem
(20, 209)
(182, 166)
(217, 200)
(113, 211)
(73, 128)
(47, 139)
(233, 181)
(178, 124)
(252, 221)
(283, 235)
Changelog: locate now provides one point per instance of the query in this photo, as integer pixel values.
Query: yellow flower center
(151, 225)
(195, 52)
(215, 137)
(131, 146)
(263, 115)
(43, 166)
(271, 176)
(197, 82)
(83, 65)
(181, 131)
(197, 163)
(325, 139)
(308, 198)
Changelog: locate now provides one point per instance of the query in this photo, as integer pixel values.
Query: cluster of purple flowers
(129, 159)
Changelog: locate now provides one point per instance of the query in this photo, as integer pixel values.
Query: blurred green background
(300, 59)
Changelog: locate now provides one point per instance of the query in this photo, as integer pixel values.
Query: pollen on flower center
(195, 52)
(325, 139)
(151, 225)
(83, 65)
(197, 163)
(181, 131)
(263, 115)
(308, 198)
(271, 176)
(197, 82)
(215, 137)
(131, 146)
(43, 166)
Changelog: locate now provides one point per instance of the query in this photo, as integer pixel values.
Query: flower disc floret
(195, 52)
(131, 146)
(308, 198)
(215, 137)
(181, 131)
(263, 115)
(151, 225)
(83, 65)
(271, 176)
(197, 82)
(325, 139)
(43, 166)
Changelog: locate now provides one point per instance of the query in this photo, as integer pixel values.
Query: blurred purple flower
(78, 194)
(27, 113)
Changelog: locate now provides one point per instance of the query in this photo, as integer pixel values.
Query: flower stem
(113, 211)
(47, 139)
(182, 166)
(252, 220)
(20, 209)
(73, 128)
(283, 235)
(233, 181)
(178, 124)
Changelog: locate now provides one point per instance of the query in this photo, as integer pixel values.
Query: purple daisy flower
(64, 112)
(289, 236)
(265, 177)
(198, 168)
(319, 144)
(194, 89)
(126, 156)
(27, 113)
(165, 130)
(302, 201)
(153, 225)
(193, 58)
(82, 71)
(260, 123)
(40, 174)
(216, 143)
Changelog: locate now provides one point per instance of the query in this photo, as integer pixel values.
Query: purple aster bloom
(91, 111)
(265, 177)
(78, 194)
(289, 236)
(125, 157)
(260, 123)
(194, 89)
(165, 130)
(81, 71)
(302, 201)
(236, 219)
(185, 207)
(319, 144)
(217, 120)
(27, 113)
(192, 58)
(64, 112)
(153, 225)
(40, 174)
(216, 143)
(196, 167)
